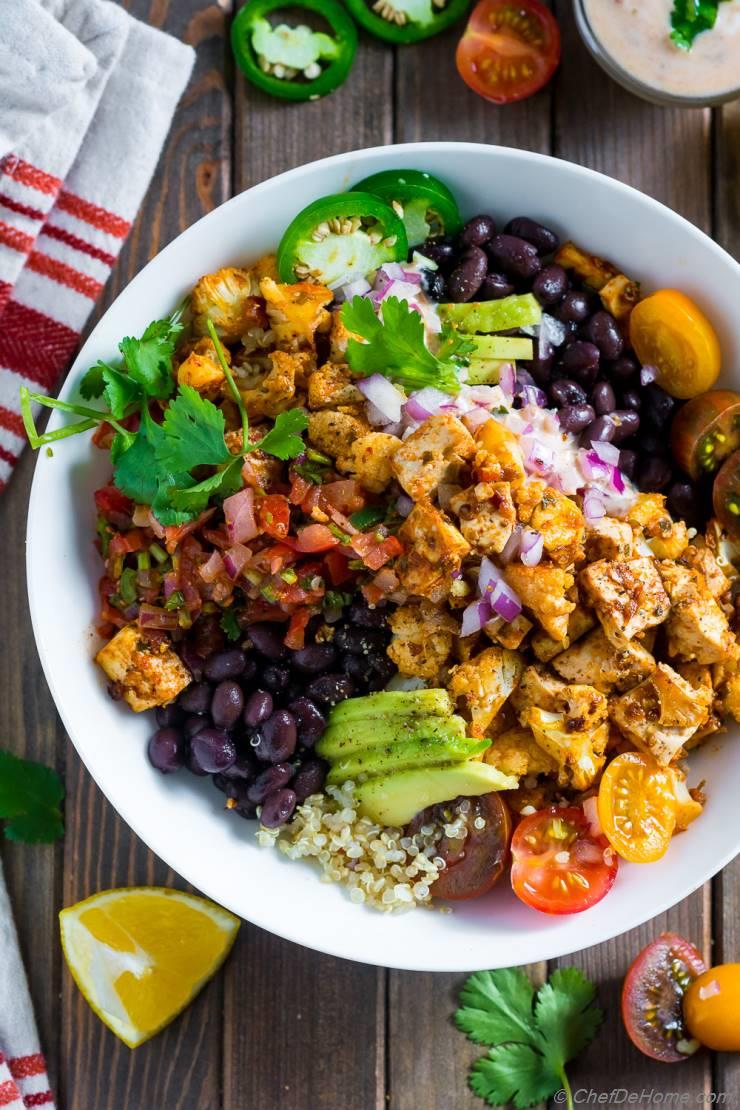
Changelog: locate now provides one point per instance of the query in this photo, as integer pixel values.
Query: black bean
(550, 285)
(514, 256)
(658, 407)
(441, 251)
(494, 287)
(622, 368)
(478, 231)
(314, 658)
(541, 367)
(626, 424)
(310, 779)
(603, 330)
(258, 708)
(567, 392)
(166, 750)
(367, 617)
(653, 444)
(467, 277)
(196, 698)
(191, 725)
(232, 788)
(279, 737)
(601, 431)
(207, 636)
(213, 749)
(360, 641)
(575, 307)
(682, 501)
(225, 664)
(268, 639)
(628, 462)
(603, 399)
(243, 770)
(193, 763)
(275, 676)
(168, 715)
(653, 475)
(192, 660)
(356, 666)
(382, 671)
(631, 399)
(433, 284)
(580, 358)
(544, 240)
(330, 689)
(309, 719)
(274, 778)
(278, 808)
(574, 418)
(227, 704)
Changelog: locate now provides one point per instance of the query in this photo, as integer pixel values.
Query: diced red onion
(429, 401)
(393, 271)
(593, 467)
(383, 395)
(404, 505)
(648, 374)
(169, 583)
(607, 452)
(235, 559)
(359, 288)
(507, 380)
(513, 544)
(239, 513)
(414, 411)
(531, 547)
(538, 457)
(394, 429)
(505, 602)
(213, 567)
(151, 616)
(474, 617)
(533, 395)
(618, 479)
(593, 506)
(488, 575)
(475, 418)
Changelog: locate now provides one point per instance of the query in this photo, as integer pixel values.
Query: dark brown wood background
(282, 1026)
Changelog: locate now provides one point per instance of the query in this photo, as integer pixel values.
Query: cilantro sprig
(395, 347)
(30, 800)
(690, 17)
(532, 1036)
(161, 464)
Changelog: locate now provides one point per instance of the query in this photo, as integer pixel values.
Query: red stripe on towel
(34, 345)
(29, 175)
(51, 231)
(65, 275)
(94, 215)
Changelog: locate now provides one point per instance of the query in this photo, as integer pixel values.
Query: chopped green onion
(158, 553)
(127, 586)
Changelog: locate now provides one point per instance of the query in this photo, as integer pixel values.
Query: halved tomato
(670, 332)
(726, 494)
(637, 807)
(712, 1008)
(273, 515)
(475, 862)
(705, 431)
(652, 998)
(510, 49)
(559, 865)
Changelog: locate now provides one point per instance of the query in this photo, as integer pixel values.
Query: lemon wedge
(140, 954)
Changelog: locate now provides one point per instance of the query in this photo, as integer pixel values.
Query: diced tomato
(315, 537)
(372, 593)
(299, 489)
(345, 495)
(273, 515)
(311, 500)
(277, 557)
(174, 534)
(114, 505)
(218, 537)
(123, 543)
(337, 567)
(260, 610)
(374, 551)
(103, 436)
(295, 636)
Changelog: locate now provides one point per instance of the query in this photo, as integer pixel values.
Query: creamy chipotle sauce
(636, 34)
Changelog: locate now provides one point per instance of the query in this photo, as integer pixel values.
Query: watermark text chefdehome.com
(647, 1096)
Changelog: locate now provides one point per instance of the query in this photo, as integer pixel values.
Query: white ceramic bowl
(180, 817)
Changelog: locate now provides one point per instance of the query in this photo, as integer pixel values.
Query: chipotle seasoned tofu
(434, 453)
(628, 595)
(335, 433)
(332, 385)
(609, 538)
(661, 714)
(146, 671)
(702, 559)
(372, 460)
(580, 621)
(697, 628)
(434, 551)
(615, 664)
(543, 592)
(482, 685)
(486, 514)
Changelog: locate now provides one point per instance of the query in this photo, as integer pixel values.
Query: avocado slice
(403, 755)
(502, 347)
(517, 311)
(349, 737)
(395, 798)
(405, 703)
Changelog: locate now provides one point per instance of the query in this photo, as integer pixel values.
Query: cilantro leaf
(532, 1036)
(149, 359)
(194, 432)
(138, 473)
(30, 797)
(690, 17)
(120, 392)
(395, 346)
(284, 439)
(193, 499)
(229, 625)
(93, 383)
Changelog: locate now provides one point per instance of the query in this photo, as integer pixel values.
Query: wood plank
(303, 1029)
(665, 153)
(727, 885)
(181, 1068)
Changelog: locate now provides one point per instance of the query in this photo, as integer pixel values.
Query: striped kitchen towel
(23, 1079)
(87, 94)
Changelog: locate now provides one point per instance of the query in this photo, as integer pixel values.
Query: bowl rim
(449, 960)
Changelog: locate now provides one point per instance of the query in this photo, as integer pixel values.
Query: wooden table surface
(282, 1026)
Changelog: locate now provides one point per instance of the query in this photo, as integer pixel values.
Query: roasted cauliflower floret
(609, 539)
(509, 634)
(688, 808)
(487, 516)
(628, 595)
(616, 664)
(558, 520)
(230, 298)
(276, 391)
(201, 369)
(516, 752)
(147, 672)
(335, 433)
(593, 271)
(580, 621)
(434, 551)
(578, 752)
(620, 295)
(423, 638)
(482, 685)
(339, 337)
(543, 590)
(661, 714)
(649, 516)
(330, 386)
(434, 453)
(296, 312)
(702, 559)
(499, 456)
(697, 627)
(583, 706)
(372, 460)
(672, 544)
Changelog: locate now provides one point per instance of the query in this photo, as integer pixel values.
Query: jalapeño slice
(406, 21)
(424, 203)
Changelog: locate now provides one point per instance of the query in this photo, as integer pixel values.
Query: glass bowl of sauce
(631, 41)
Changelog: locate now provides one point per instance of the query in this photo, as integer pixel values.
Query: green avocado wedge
(403, 755)
(346, 738)
(396, 798)
(399, 703)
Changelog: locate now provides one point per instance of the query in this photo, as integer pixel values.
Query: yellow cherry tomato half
(670, 332)
(637, 807)
(711, 1008)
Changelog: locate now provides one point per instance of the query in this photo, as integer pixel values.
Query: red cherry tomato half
(475, 864)
(652, 998)
(559, 866)
(510, 49)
